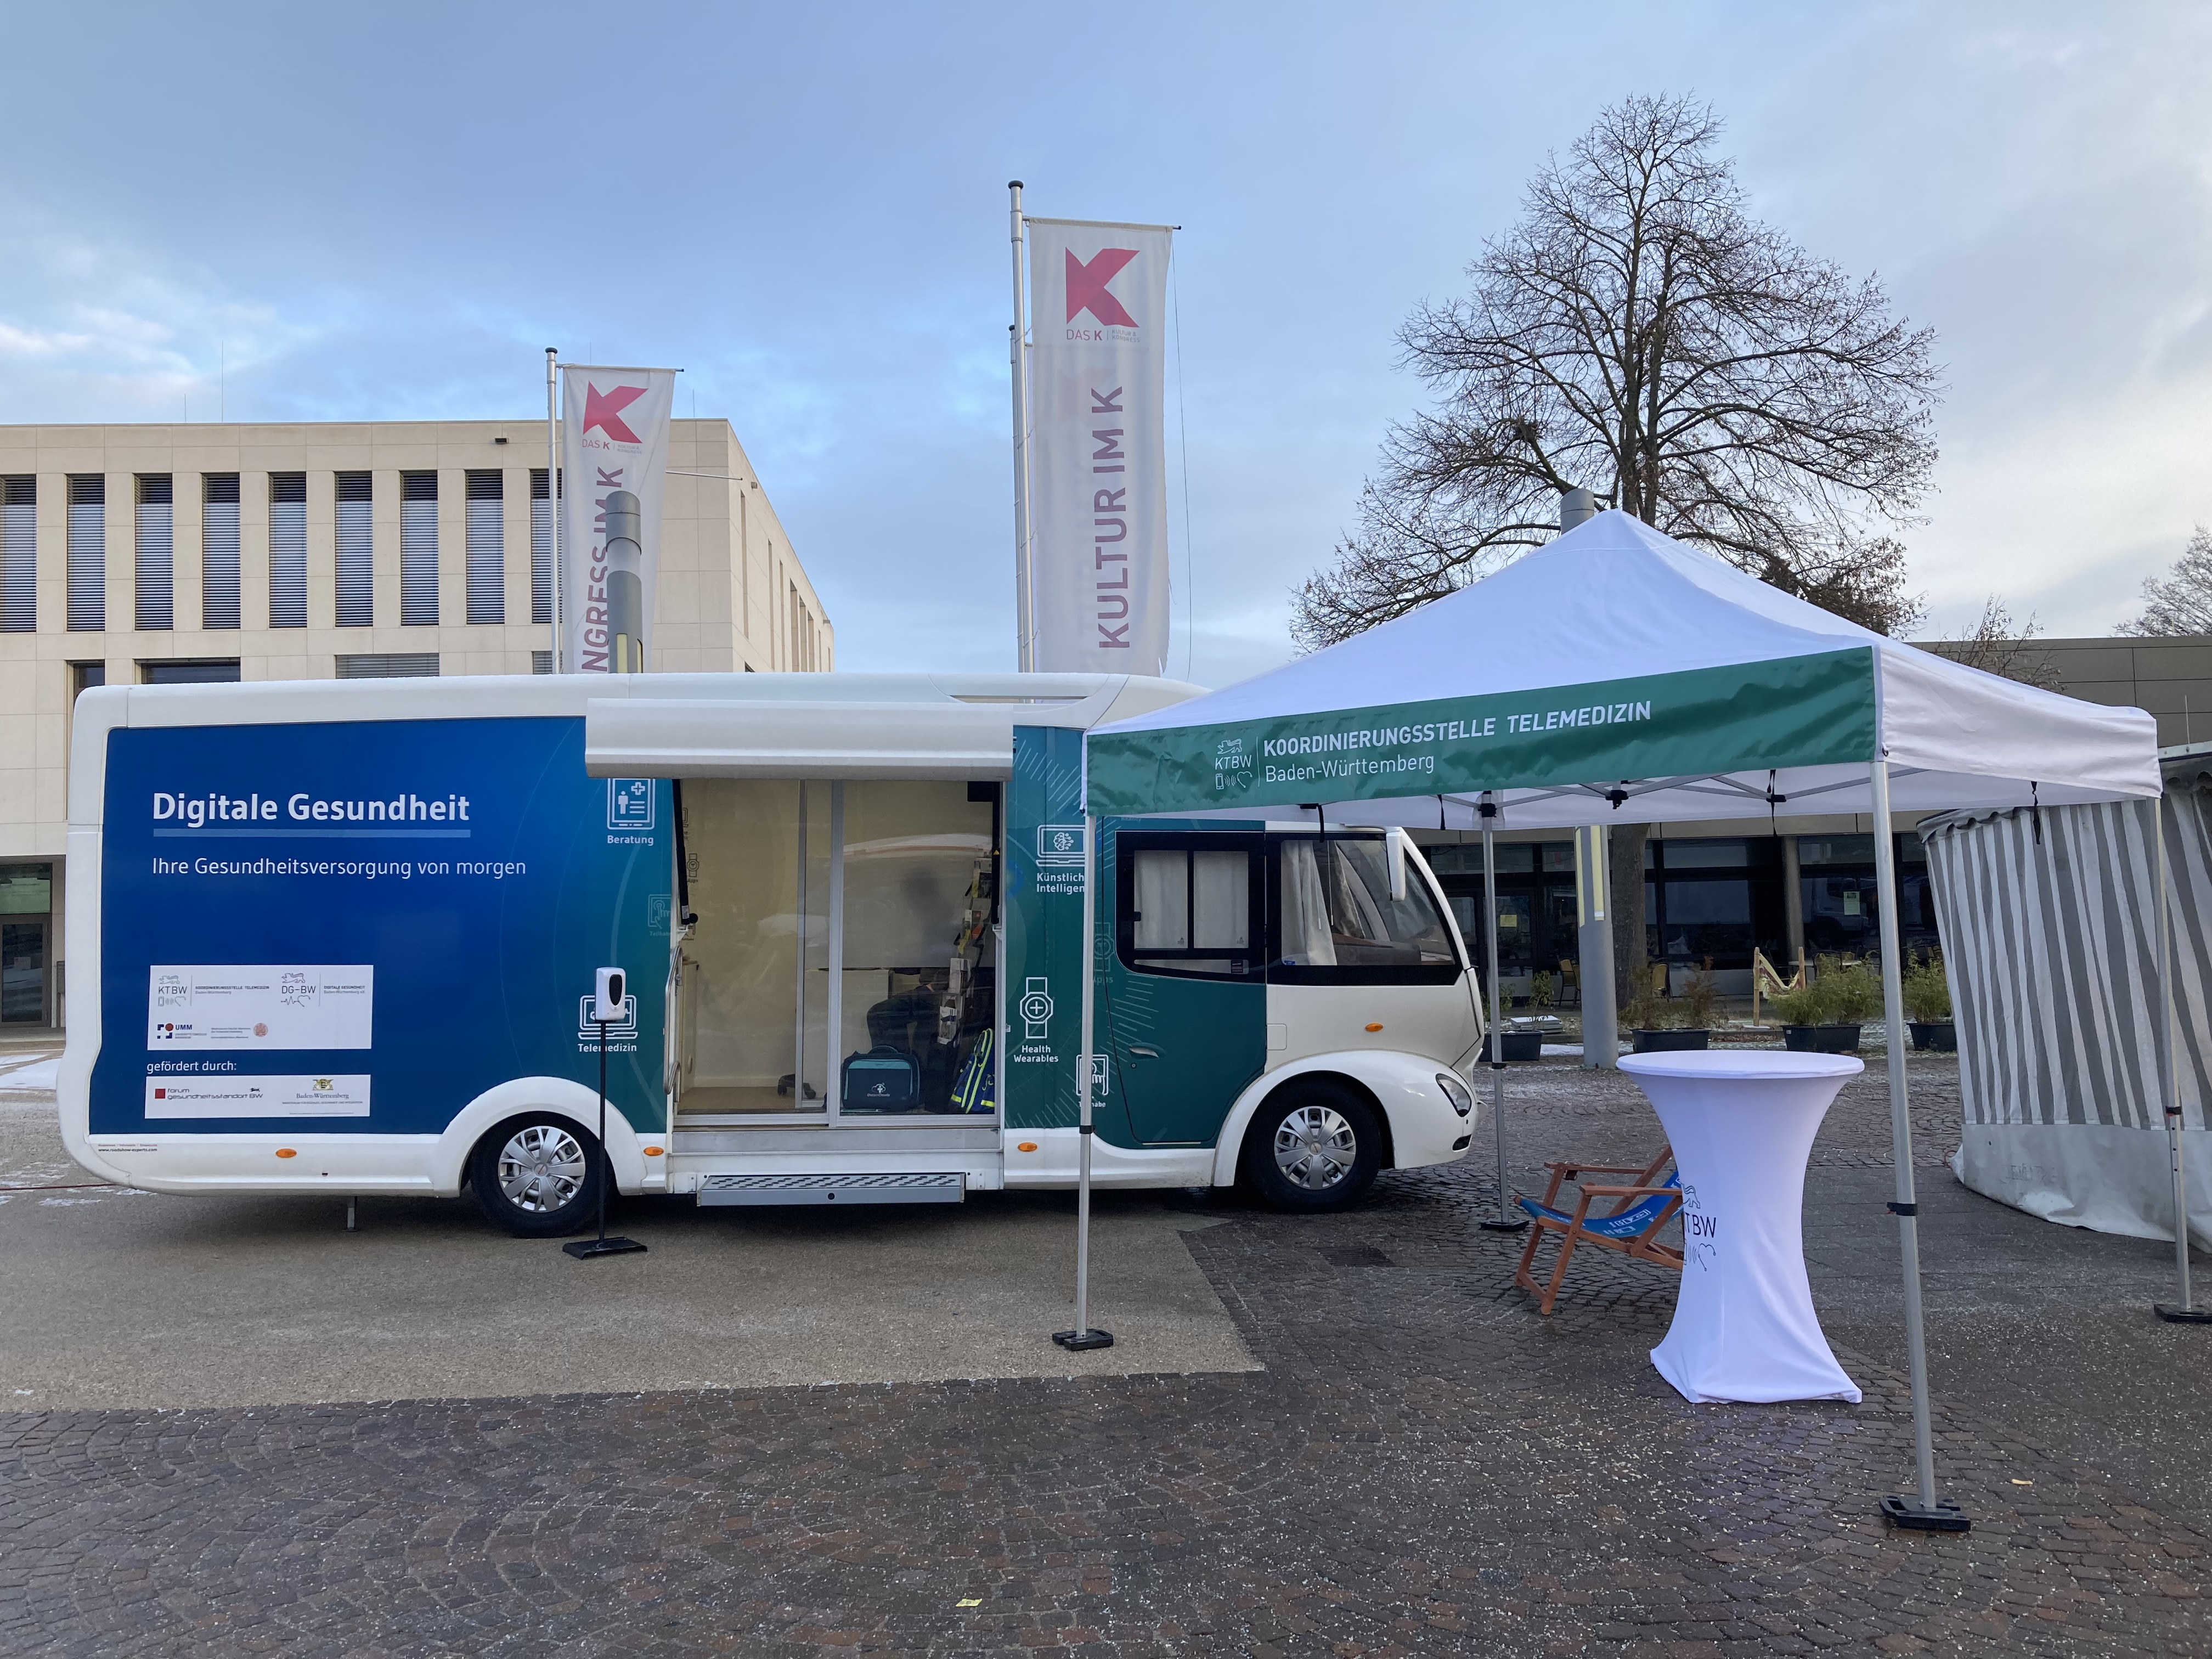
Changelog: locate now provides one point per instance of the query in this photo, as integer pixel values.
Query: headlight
(1455, 1091)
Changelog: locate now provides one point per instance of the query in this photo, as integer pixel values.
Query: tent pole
(1506, 1222)
(1925, 1512)
(1082, 1336)
(2185, 1311)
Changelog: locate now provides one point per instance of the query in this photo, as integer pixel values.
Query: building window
(212, 671)
(19, 556)
(287, 550)
(541, 549)
(219, 549)
(357, 552)
(87, 553)
(83, 676)
(486, 552)
(419, 549)
(155, 610)
(27, 904)
(389, 665)
(541, 662)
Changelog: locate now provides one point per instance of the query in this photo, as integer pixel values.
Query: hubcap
(1314, 1148)
(541, 1168)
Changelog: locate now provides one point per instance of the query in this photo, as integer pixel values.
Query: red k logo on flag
(604, 409)
(1086, 286)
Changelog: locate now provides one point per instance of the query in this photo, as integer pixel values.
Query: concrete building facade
(138, 555)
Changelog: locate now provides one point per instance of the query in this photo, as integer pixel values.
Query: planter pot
(1937, 1036)
(1821, 1039)
(1517, 1045)
(1672, 1042)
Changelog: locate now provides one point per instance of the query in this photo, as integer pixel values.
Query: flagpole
(1025, 622)
(553, 486)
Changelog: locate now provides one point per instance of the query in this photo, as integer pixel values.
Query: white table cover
(1742, 1123)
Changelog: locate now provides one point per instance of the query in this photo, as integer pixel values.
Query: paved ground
(1422, 1467)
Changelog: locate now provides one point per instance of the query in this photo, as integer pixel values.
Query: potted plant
(1658, 1025)
(1826, 1016)
(1927, 1004)
(1806, 1027)
(1515, 1046)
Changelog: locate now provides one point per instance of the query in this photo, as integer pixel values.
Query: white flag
(614, 436)
(1098, 448)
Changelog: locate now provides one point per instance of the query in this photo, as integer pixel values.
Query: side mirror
(1393, 852)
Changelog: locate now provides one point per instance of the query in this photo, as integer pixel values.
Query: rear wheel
(538, 1176)
(1314, 1146)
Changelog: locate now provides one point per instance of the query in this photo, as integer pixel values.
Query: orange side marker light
(653, 1152)
(1025, 1146)
(1375, 1025)
(286, 1151)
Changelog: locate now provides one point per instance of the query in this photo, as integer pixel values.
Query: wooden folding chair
(1641, 1208)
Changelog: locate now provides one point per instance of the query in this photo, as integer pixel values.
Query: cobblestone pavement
(1424, 1467)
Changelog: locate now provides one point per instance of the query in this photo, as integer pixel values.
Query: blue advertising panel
(361, 926)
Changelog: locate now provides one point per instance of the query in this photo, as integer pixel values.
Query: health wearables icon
(1037, 1010)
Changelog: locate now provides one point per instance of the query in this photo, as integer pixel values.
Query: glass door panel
(761, 890)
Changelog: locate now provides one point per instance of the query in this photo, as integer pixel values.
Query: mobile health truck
(340, 937)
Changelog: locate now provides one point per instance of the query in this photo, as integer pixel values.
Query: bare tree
(1637, 333)
(1997, 645)
(2179, 602)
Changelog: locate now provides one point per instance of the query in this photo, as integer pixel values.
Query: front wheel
(538, 1176)
(1315, 1147)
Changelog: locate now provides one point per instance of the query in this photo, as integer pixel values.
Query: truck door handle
(1147, 1054)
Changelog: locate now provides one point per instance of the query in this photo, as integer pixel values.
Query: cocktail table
(1742, 1123)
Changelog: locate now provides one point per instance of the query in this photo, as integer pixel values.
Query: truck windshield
(1337, 911)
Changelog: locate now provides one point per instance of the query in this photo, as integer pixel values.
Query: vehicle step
(904, 1187)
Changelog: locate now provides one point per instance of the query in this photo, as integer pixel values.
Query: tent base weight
(2173, 1315)
(585, 1248)
(1505, 1226)
(1078, 1342)
(1914, 1516)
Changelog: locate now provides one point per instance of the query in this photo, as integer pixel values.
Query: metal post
(799, 951)
(353, 1215)
(1594, 944)
(1506, 1222)
(1925, 1512)
(553, 485)
(1083, 1336)
(833, 1009)
(2185, 1311)
(585, 1248)
(1025, 620)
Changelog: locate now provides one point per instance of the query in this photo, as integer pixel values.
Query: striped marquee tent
(2049, 922)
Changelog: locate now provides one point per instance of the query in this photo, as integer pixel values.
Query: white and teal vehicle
(340, 937)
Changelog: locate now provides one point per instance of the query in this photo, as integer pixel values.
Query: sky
(336, 213)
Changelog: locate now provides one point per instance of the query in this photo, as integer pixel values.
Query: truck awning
(650, 737)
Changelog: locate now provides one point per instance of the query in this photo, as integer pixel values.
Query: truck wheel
(538, 1176)
(1314, 1146)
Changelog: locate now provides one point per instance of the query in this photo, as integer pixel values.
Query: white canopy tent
(1618, 675)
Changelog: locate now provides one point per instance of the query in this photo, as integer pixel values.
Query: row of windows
(224, 671)
(153, 589)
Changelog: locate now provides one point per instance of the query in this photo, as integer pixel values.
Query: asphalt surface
(1422, 1465)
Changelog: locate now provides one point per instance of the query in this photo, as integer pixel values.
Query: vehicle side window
(1340, 925)
(1189, 906)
